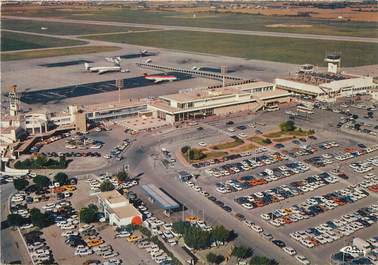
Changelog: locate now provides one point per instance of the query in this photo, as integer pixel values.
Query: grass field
(23, 55)
(228, 145)
(11, 41)
(61, 28)
(290, 50)
(213, 20)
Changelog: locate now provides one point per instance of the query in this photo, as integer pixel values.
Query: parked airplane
(148, 61)
(115, 60)
(160, 78)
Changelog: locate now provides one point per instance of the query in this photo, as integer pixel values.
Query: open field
(23, 55)
(210, 20)
(348, 13)
(12, 41)
(290, 50)
(57, 28)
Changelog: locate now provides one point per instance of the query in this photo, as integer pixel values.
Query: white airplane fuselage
(160, 78)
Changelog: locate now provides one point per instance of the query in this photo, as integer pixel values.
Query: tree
(88, 214)
(267, 141)
(106, 186)
(61, 177)
(260, 260)
(214, 259)
(15, 220)
(20, 184)
(288, 126)
(185, 149)
(196, 238)
(41, 181)
(220, 234)
(180, 227)
(242, 252)
(355, 116)
(357, 126)
(122, 176)
(196, 154)
(40, 219)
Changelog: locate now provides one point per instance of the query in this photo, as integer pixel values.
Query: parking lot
(252, 185)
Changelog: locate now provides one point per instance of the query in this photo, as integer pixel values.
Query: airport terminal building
(326, 86)
(200, 103)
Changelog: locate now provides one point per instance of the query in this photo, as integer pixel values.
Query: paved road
(141, 160)
(213, 30)
(12, 248)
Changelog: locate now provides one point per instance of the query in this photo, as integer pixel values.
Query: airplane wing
(100, 72)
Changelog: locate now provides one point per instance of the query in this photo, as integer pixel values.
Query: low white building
(118, 209)
(326, 86)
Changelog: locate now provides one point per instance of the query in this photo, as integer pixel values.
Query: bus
(305, 109)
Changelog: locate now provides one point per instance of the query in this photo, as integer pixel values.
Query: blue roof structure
(162, 199)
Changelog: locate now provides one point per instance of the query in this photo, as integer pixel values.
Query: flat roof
(199, 94)
(112, 196)
(125, 211)
(160, 197)
(113, 105)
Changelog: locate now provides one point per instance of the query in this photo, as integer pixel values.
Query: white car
(203, 144)
(289, 250)
(302, 259)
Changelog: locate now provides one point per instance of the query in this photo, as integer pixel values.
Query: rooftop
(112, 197)
(125, 211)
(160, 197)
(113, 105)
(317, 78)
(204, 93)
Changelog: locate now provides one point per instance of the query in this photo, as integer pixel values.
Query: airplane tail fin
(86, 65)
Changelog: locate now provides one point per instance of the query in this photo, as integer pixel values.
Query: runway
(212, 30)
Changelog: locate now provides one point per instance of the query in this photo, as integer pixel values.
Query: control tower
(14, 101)
(334, 62)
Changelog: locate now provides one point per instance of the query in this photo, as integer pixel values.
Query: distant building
(118, 209)
(326, 86)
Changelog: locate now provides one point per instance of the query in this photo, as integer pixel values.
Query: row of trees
(37, 218)
(196, 238)
(41, 162)
(192, 153)
(41, 181)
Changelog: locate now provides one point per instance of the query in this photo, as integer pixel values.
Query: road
(212, 30)
(12, 248)
(140, 160)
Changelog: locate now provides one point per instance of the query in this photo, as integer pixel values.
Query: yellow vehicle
(94, 242)
(69, 187)
(133, 238)
(192, 218)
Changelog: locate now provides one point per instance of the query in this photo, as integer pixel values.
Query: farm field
(58, 28)
(213, 20)
(12, 41)
(288, 50)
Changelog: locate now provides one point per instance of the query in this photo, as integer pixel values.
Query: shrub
(20, 184)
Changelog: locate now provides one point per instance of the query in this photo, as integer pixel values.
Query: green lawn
(11, 41)
(290, 50)
(23, 55)
(213, 20)
(58, 28)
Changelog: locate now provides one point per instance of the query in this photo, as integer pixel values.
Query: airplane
(148, 61)
(44, 28)
(115, 60)
(160, 78)
(102, 69)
